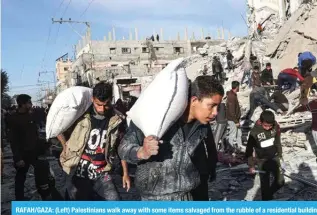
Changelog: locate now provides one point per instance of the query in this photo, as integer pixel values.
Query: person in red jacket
(289, 76)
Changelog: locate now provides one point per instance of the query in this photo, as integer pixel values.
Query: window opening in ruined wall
(178, 50)
(158, 49)
(112, 50)
(145, 50)
(126, 51)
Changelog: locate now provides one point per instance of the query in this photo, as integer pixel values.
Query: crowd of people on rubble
(177, 167)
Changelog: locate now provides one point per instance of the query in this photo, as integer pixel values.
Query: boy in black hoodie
(265, 140)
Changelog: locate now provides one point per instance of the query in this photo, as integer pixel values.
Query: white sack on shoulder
(162, 102)
(67, 107)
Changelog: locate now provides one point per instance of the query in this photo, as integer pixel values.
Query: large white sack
(162, 102)
(67, 107)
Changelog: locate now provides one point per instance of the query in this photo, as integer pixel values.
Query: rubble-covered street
(279, 44)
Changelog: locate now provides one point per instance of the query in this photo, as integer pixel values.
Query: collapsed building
(130, 63)
(288, 29)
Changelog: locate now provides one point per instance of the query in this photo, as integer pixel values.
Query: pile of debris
(279, 43)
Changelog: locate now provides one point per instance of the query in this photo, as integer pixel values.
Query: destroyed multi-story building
(130, 63)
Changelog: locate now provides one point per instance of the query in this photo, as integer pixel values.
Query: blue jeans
(248, 75)
(284, 79)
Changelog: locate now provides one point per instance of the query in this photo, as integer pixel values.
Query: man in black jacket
(26, 147)
(267, 75)
(229, 60)
(217, 69)
(177, 166)
(265, 139)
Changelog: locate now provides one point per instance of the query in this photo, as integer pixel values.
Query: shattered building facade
(127, 61)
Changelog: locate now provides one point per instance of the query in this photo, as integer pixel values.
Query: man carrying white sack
(176, 167)
(88, 155)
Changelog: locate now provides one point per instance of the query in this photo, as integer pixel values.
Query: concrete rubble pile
(297, 34)
(279, 44)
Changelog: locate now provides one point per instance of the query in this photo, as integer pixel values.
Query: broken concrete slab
(284, 31)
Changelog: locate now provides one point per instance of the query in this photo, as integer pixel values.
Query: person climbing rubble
(26, 148)
(265, 140)
(88, 156)
(164, 171)
(259, 97)
(289, 77)
(267, 75)
(280, 100)
(259, 29)
(229, 57)
(217, 69)
(305, 88)
(305, 62)
(233, 116)
(311, 107)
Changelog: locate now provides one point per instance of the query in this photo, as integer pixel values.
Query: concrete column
(229, 35)
(162, 36)
(178, 36)
(218, 32)
(294, 5)
(186, 34)
(130, 35)
(222, 33)
(105, 38)
(110, 36)
(136, 34)
(123, 38)
(193, 36)
(202, 34)
(189, 47)
(282, 9)
(114, 34)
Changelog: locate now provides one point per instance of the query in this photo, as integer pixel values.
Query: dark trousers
(259, 100)
(218, 76)
(200, 193)
(101, 188)
(271, 167)
(44, 180)
(284, 79)
(306, 67)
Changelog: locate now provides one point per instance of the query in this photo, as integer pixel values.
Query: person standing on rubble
(25, 145)
(289, 76)
(217, 69)
(256, 81)
(305, 62)
(267, 75)
(265, 140)
(311, 107)
(229, 60)
(89, 153)
(234, 115)
(305, 88)
(176, 167)
(246, 67)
